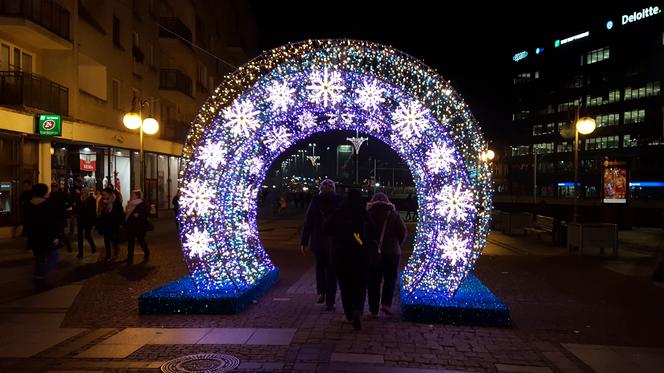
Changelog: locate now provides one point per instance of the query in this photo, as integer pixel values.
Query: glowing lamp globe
(490, 154)
(150, 126)
(585, 125)
(132, 120)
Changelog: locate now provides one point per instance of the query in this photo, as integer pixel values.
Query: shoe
(386, 310)
(321, 299)
(330, 307)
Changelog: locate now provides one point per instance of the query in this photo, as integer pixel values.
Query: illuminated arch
(296, 90)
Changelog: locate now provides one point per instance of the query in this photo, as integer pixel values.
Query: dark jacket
(322, 206)
(137, 222)
(108, 222)
(40, 223)
(86, 210)
(395, 231)
(343, 225)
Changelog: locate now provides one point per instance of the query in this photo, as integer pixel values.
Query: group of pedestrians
(46, 215)
(356, 246)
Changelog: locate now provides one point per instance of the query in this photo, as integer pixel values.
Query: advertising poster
(88, 162)
(615, 184)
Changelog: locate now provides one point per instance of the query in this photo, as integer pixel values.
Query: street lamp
(584, 126)
(134, 120)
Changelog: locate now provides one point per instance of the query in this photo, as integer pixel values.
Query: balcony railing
(172, 79)
(176, 28)
(46, 13)
(20, 88)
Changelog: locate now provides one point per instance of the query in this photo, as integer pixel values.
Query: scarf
(131, 205)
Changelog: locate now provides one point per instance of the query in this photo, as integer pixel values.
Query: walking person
(60, 202)
(42, 234)
(320, 243)
(176, 208)
(385, 265)
(136, 219)
(85, 208)
(109, 220)
(353, 241)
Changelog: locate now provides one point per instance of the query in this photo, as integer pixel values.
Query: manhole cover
(201, 363)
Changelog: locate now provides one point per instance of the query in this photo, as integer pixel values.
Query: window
(635, 116)
(605, 142)
(4, 57)
(628, 141)
(115, 94)
(544, 129)
(565, 106)
(520, 150)
(523, 78)
(597, 55)
(649, 89)
(116, 32)
(543, 148)
(523, 114)
(564, 147)
(594, 101)
(607, 120)
(614, 96)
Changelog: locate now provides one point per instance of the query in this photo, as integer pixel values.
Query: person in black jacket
(321, 207)
(60, 202)
(85, 208)
(42, 233)
(109, 220)
(393, 231)
(136, 219)
(353, 242)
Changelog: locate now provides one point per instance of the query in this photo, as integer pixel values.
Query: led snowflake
(306, 121)
(440, 158)
(340, 119)
(280, 96)
(373, 125)
(213, 153)
(255, 165)
(370, 95)
(241, 118)
(410, 120)
(198, 243)
(278, 138)
(326, 87)
(196, 196)
(453, 203)
(454, 248)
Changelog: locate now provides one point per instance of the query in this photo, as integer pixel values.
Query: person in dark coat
(176, 208)
(60, 202)
(109, 220)
(136, 219)
(85, 208)
(393, 231)
(320, 243)
(353, 242)
(42, 233)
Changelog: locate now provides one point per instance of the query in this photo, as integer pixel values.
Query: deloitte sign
(637, 16)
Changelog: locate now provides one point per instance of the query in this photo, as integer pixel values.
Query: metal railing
(21, 88)
(46, 13)
(173, 79)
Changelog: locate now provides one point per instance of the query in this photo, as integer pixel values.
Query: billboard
(49, 125)
(615, 183)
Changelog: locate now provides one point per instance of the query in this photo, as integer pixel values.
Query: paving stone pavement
(560, 306)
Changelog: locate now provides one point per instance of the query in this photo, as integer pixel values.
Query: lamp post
(134, 120)
(584, 126)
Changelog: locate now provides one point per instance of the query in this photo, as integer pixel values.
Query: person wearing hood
(353, 243)
(42, 232)
(392, 235)
(320, 243)
(109, 220)
(136, 219)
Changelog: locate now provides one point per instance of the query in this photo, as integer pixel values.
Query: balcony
(178, 30)
(20, 88)
(175, 80)
(40, 23)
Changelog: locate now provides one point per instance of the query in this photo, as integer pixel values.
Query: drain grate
(201, 363)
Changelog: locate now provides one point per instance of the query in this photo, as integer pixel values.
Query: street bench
(542, 225)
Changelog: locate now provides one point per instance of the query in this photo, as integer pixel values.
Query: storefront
(18, 162)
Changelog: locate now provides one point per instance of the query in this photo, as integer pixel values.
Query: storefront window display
(121, 173)
(174, 169)
(162, 181)
(77, 166)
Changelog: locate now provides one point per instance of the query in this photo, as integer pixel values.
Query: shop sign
(615, 183)
(49, 125)
(88, 162)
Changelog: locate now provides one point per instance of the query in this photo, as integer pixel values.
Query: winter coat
(86, 210)
(395, 231)
(344, 225)
(137, 221)
(41, 225)
(108, 222)
(322, 206)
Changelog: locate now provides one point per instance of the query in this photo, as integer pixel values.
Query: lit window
(597, 55)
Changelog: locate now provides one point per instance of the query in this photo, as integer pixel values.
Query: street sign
(49, 125)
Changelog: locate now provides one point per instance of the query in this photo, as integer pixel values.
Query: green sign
(49, 125)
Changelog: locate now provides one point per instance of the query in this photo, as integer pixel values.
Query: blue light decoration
(292, 92)
(609, 25)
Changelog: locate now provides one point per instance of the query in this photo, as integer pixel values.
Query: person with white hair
(315, 239)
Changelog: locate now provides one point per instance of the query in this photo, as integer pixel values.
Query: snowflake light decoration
(370, 95)
(326, 87)
(198, 243)
(241, 118)
(280, 96)
(301, 89)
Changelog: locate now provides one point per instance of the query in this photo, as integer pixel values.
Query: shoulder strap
(382, 232)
